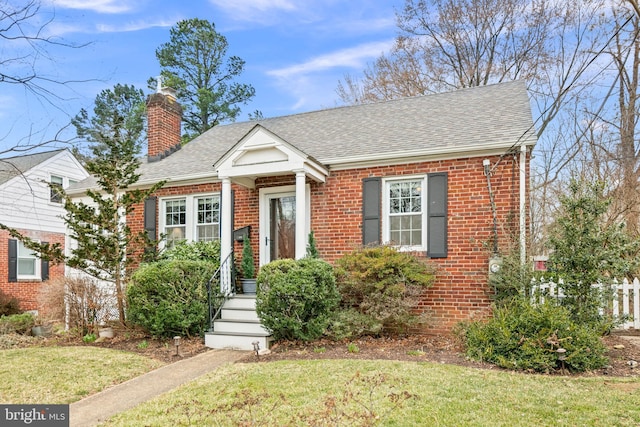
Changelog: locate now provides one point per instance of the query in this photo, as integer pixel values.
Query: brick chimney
(164, 117)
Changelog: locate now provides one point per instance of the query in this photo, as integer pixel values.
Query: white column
(226, 237)
(301, 215)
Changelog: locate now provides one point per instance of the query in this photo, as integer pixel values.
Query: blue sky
(296, 51)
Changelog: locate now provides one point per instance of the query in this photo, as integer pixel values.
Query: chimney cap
(165, 90)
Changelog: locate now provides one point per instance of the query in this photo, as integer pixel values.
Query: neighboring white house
(30, 205)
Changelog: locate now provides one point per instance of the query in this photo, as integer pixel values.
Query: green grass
(64, 374)
(388, 393)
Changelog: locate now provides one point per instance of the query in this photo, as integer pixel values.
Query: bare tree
(25, 47)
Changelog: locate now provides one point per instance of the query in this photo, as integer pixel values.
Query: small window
(55, 190)
(208, 219)
(28, 263)
(175, 221)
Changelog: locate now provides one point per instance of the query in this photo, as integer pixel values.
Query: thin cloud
(244, 8)
(353, 57)
(135, 26)
(99, 6)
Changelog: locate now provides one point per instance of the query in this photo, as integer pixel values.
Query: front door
(281, 226)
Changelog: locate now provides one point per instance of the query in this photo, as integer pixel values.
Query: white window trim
(191, 219)
(385, 212)
(29, 277)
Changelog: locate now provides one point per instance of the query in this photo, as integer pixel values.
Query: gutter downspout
(487, 171)
(523, 218)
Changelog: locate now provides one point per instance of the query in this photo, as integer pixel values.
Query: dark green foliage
(384, 285)
(194, 251)
(586, 250)
(195, 62)
(513, 280)
(8, 305)
(312, 250)
(169, 298)
(246, 265)
(525, 337)
(17, 323)
(296, 298)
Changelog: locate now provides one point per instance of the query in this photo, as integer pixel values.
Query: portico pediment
(262, 153)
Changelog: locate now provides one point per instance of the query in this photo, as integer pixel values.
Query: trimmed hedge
(296, 297)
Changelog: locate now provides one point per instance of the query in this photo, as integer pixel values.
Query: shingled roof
(494, 117)
(11, 167)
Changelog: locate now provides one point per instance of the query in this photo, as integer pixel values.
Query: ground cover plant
(366, 393)
(65, 374)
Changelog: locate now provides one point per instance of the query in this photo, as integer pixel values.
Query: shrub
(350, 323)
(521, 336)
(17, 323)
(169, 298)
(295, 298)
(8, 305)
(194, 251)
(382, 284)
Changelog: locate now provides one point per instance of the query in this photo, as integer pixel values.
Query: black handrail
(221, 297)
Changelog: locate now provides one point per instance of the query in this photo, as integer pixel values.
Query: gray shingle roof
(495, 116)
(11, 167)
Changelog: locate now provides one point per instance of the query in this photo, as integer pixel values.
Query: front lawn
(356, 392)
(64, 374)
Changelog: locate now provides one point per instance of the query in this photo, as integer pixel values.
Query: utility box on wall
(495, 264)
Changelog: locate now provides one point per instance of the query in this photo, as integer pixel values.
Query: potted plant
(248, 279)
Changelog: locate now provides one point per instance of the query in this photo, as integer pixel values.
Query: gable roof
(493, 117)
(10, 167)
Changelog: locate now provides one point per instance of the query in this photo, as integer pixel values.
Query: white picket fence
(625, 294)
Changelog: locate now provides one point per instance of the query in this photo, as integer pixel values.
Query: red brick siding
(460, 290)
(27, 292)
(164, 117)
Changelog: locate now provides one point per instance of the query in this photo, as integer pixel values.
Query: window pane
(208, 218)
(55, 191)
(26, 267)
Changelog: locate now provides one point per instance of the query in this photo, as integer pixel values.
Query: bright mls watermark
(34, 415)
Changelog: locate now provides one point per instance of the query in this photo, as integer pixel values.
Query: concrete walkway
(99, 407)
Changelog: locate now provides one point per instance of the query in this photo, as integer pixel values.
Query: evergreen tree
(195, 62)
(106, 245)
(586, 250)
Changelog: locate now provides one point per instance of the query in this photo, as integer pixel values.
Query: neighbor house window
(191, 218)
(175, 221)
(28, 263)
(208, 221)
(55, 191)
(404, 213)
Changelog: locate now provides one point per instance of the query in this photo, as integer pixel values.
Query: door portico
(261, 153)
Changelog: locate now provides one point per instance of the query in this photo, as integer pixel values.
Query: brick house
(29, 205)
(413, 172)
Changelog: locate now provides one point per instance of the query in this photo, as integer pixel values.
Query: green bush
(194, 251)
(8, 305)
(296, 298)
(521, 336)
(384, 285)
(17, 323)
(169, 298)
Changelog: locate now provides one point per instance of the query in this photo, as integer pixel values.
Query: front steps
(238, 327)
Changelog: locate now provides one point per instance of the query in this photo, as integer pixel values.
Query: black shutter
(44, 267)
(371, 197)
(13, 260)
(437, 215)
(150, 218)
